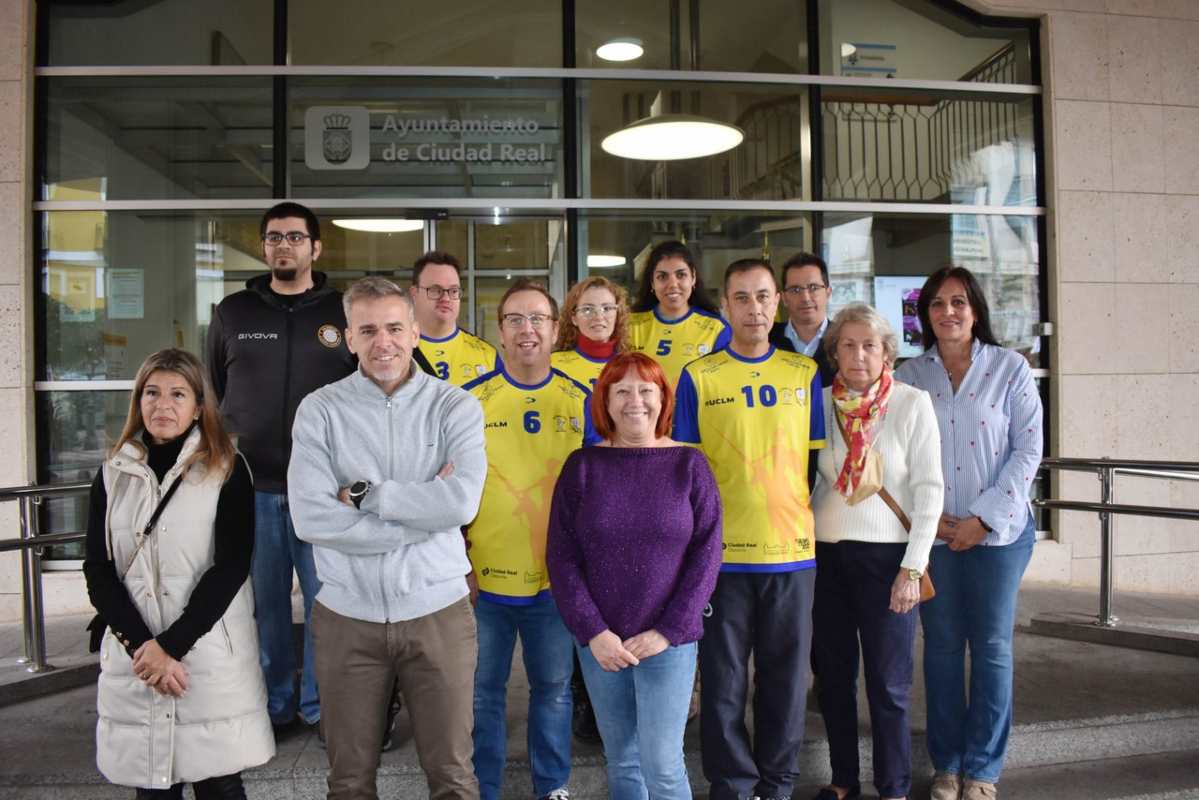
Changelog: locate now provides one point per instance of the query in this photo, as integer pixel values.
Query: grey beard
(284, 274)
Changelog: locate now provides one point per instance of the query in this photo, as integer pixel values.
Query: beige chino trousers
(433, 657)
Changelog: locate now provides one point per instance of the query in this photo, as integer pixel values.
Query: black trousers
(853, 592)
(222, 787)
(770, 616)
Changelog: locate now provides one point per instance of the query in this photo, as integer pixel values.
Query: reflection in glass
(426, 137)
(131, 32)
(919, 41)
(76, 429)
(465, 33)
(767, 165)
(919, 147)
(157, 138)
(119, 285)
(1002, 251)
(752, 36)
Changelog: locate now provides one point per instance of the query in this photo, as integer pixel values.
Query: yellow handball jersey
(460, 357)
(756, 420)
(529, 430)
(673, 343)
(577, 366)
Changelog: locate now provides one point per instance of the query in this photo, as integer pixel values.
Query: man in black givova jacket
(269, 345)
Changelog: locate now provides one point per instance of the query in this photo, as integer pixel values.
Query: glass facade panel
(919, 41)
(883, 259)
(129, 32)
(753, 36)
(767, 165)
(429, 137)
(915, 147)
(157, 138)
(468, 33)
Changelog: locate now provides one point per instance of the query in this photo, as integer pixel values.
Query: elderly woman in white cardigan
(882, 436)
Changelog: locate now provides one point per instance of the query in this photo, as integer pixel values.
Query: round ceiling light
(600, 260)
(671, 137)
(622, 49)
(383, 225)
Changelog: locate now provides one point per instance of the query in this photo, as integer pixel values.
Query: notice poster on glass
(895, 298)
(126, 294)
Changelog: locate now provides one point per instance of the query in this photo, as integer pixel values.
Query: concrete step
(53, 756)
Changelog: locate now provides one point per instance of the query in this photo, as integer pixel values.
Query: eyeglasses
(293, 237)
(436, 292)
(517, 321)
(590, 311)
(811, 288)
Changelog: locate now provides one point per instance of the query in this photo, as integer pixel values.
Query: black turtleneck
(233, 546)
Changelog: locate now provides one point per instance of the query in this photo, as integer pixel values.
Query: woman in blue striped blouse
(989, 415)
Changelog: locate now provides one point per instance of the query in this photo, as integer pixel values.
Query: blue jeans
(548, 655)
(276, 552)
(641, 712)
(975, 606)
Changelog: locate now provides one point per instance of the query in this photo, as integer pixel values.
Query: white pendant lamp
(621, 49)
(382, 225)
(672, 137)
(601, 260)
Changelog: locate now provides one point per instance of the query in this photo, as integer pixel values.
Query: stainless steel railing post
(32, 609)
(1107, 551)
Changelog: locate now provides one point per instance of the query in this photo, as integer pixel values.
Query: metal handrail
(1106, 470)
(33, 622)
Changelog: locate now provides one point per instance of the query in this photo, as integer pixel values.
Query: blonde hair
(868, 316)
(568, 332)
(216, 449)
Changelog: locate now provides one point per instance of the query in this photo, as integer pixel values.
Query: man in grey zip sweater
(386, 465)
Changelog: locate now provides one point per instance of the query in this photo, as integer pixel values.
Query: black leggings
(222, 787)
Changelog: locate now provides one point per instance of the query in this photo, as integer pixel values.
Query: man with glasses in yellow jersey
(534, 417)
(806, 292)
(756, 412)
(453, 354)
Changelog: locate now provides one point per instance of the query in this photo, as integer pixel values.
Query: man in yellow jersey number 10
(453, 354)
(533, 417)
(756, 413)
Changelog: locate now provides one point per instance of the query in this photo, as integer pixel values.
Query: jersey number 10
(766, 395)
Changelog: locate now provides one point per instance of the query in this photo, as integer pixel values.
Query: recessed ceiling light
(384, 225)
(622, 49)
(600, 260)
(670, 137)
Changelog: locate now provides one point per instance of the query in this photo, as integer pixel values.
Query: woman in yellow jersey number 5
(674, 321)
(594, 329)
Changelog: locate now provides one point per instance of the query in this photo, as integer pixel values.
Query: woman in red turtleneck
(592, 329)
(590, 332)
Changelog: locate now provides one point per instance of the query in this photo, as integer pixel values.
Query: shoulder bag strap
(149, 529)
(883, 494)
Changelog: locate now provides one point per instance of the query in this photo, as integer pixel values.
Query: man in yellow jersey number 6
(533, 418)
(756, 412)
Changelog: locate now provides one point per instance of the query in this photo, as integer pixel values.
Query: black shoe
(827, 793)
(582, 721)
(393, 711)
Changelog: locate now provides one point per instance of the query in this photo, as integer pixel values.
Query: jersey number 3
(443, 370)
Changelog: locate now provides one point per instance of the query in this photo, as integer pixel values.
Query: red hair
(614, 371)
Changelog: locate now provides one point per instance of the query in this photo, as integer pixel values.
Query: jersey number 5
(663, 347)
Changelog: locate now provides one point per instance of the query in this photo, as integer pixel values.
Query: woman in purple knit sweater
(633, 553)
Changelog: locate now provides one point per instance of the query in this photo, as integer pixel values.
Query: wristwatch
(358, 490)
(915, 574)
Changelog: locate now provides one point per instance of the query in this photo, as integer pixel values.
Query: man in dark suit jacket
(806, 293)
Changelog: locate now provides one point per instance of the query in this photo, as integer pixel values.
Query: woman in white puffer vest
(170, 534)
